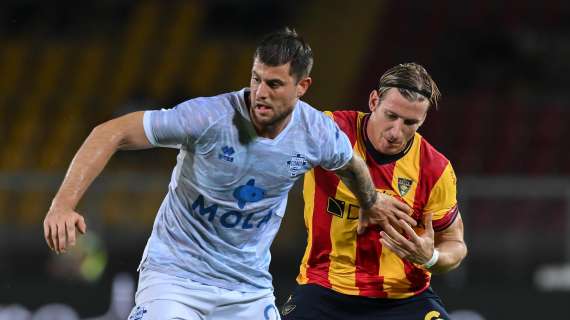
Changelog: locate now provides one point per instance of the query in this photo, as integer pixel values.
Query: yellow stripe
(408, 167)
(309, 197)
(360, 147)
(392, 269)
(343, 251)
(443, 196)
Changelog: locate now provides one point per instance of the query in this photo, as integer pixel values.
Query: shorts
(312, 301)
(164, 297)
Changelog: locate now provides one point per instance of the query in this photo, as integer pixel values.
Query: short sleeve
(180, 125)
(442, 202)
(336, 149)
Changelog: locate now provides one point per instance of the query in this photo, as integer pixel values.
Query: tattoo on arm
(356, 177)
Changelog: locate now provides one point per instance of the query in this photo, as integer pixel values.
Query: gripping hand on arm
(420, 248)
(61, 221)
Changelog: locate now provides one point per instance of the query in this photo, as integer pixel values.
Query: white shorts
(164, 297)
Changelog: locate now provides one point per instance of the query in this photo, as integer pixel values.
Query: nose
(261, 91)
(396, 132)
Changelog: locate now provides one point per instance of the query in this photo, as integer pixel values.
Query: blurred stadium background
(503, 68)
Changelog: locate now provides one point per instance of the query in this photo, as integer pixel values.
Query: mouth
(393, 142)
(262, 107)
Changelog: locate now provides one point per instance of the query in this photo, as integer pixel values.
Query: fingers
(61, 230)
(70, 230)
(427, 219)
(405, 216)
(388, 242)
(402, 207)
(401, 210)
(409, 231)
(47, 235)
(81, 225)
(408, 219)
(53, 237)
(397, 237)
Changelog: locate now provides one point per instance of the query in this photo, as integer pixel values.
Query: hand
(386, 211)
(415, 248)
(59, 228)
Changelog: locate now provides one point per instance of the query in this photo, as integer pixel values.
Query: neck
(272, 130)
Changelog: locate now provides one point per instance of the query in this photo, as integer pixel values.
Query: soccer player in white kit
(240, 154)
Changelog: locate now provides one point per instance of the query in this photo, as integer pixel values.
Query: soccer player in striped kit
(240, 154)
(382, 273)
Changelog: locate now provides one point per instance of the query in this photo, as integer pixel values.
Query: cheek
(285, 98)
(410, 132)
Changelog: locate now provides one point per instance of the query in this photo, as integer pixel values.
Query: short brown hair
(285, 46)
(413, 82)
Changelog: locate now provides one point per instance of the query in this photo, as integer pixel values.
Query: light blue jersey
(227, 195)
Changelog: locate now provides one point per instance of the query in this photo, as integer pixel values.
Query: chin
(390, 151)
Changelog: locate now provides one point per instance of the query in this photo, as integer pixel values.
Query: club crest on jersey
(404, 186)
(227, 153)
(297, 163)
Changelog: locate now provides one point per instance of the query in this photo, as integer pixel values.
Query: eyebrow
(405, 119)
(269, 81)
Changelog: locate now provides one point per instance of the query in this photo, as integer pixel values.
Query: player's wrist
(370, 201)
(433, 260)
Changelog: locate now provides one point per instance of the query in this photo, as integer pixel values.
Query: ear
(373, 100)
(303, 85)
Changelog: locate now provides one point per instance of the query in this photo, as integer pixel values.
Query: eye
(391, 116)
(274, 84)
(255, 79)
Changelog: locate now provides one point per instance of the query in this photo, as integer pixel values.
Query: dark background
(502, 67)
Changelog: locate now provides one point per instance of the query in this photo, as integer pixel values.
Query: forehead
(271, 72)
(394, 102)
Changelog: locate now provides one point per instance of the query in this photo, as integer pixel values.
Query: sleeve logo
(227, 153)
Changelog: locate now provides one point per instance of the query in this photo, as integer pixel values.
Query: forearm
(356, 177)
(122, 133)
(86, 165)
(451, 253)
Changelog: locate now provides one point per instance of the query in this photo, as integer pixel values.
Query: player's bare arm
(419, 248)
(376, 208)
(123, 133)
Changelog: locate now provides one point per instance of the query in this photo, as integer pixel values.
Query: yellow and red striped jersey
(336, 257)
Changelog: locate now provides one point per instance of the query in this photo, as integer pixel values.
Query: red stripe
(346, 121)
(418, 278)
(367, 278)
(368, 246)
(432, 164)
(447, 220)
(382, 175)
(318, 263)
